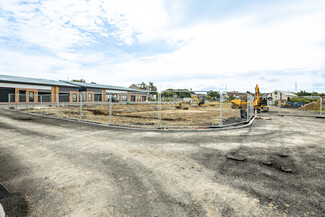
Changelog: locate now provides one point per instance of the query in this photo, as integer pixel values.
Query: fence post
(221, 99)
(16, 99)
(110, 108)
(247, 106)
(26, 103)
(58, 105)
(252, 105)
(159, 110)
(41, 99)
(9, 96)
(321, 106)
(279, 105)
(80, 102)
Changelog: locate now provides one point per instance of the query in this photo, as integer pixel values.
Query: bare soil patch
(147, 114)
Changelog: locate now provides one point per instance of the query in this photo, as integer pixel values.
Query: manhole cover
(3, 191)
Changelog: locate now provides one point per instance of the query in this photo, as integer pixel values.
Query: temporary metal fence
(301, 106)
(162, 110)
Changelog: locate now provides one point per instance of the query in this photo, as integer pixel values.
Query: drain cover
(3, 191)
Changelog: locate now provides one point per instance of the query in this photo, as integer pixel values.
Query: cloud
(173, 43)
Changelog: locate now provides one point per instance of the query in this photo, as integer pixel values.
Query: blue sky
(174, 43)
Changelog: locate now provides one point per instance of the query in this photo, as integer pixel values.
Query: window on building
(124, 97)
(90, 97)
(31, 96)
(22, 95)
(74, 97)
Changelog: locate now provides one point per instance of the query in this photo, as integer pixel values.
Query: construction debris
(286, 169)
(313, 105)
(236, 157)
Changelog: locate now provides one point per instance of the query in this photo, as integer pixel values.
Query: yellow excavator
(238, 104)
(260, 102)
(200, 103)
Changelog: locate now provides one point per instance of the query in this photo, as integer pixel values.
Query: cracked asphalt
(60, 168)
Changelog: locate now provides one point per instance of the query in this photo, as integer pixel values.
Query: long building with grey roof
(24, 89)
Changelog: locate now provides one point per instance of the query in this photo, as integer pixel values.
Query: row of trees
(305, 93)
(82, 81)
(302, 99)
(150, 86)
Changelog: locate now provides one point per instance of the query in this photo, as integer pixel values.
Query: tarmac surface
(53, 167)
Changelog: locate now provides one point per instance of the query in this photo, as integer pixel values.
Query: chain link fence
(163, 110)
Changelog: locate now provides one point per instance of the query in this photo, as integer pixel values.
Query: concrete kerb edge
(2, 211)
(302, 116)
(246, 124)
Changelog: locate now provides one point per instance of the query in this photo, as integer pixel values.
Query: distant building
(280, 95)
(236, 94)
(102, 92)
(151, 96)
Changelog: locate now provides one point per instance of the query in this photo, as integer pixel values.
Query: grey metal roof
(39, 81)
(103, 86)
(285, 93)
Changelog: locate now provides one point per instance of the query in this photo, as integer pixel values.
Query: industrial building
(23, 89)
(100, 92)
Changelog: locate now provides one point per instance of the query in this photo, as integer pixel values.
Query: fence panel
(137, 111)
(171, 109)
(196, 109)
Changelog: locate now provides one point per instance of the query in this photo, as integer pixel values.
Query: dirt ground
(146, 115)
(61, 168)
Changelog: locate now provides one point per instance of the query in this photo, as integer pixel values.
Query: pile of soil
(313, 105)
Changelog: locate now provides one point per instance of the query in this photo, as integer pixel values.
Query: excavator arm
(197, 100)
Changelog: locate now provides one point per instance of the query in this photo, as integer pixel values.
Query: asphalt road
(60, 168)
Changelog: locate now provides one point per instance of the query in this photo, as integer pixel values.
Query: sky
(198, 44)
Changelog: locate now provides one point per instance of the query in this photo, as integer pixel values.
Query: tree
(213, 94)
(151, 86)
(81, 80)
(231, 97)
(180, 93)
(144, 86)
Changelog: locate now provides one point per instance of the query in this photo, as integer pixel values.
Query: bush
(303, 99)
